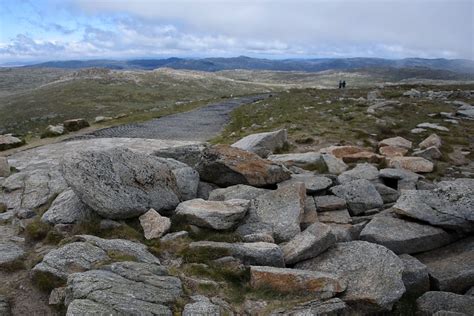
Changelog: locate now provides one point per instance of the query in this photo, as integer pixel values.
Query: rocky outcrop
(219, 215)
(254, 253)
(263, 144)
(226, 166)
(450, 267)
(365, 267)
(403, 236)
(108, 290)
(449, 206)
(239, 191)
(360, 195)
(154, 225)
(294, 281)
(67, 209)
(124, 184)
(445, 302)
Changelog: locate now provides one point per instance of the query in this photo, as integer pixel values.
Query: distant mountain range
(242, 62)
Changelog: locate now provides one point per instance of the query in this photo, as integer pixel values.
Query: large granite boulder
(239, 191)
(403, 236)
(187, 178)
(308, 244)
(119, 183)
(219, 215)
(294, 281)
(451, 206)
(360, 195)
(67, 209)
(446, 303)
(123, 288)
(366, 267)
(263, 144)
(254, 253)
(451, 267)
(415, 276)
(226, 166)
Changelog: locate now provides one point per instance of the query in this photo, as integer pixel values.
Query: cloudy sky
(37, 30)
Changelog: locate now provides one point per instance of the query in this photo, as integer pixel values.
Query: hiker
(340, 84)
(344, 84)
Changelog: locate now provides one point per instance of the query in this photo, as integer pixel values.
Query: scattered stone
(360, 171)
(388, 194)
(415, 276)
(333, 306)
(57, 296)
(365, 156)
(396, 142)
(255, 253)
(4, 167)
(125, 184)
(283, 209)
(414, 164)
(239, 191)
(334, 165)
(307, 160)
(53, 131)
(67, 209)
(430, 153)
(4, 306)
(360, 195)
(313, 183)
(308, 244)
(337, 217)
(9, 141)
(263, 144)
(449, 206)
(154, 225)
(402, 236)
(101, 119)
(174, 236)
(432, 302)
(201, 306)
(382, 106)
(418, 130)
(11, 254)
(365, 267)
(352, 154)
(451, 267)
(326, 203)
(219, 215)
(430, 141)
(392, 151)
(226, 166)
(111, 286)
(433, 126)
(412, 93)
(399, 178)
(75, 124)
(294, 281)
(374, 95)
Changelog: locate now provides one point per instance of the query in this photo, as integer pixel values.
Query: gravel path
(198, 125)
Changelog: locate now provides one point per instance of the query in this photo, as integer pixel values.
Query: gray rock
(388, 194)
(67, 209)
(11, 254)
(432, 302)
(239, 191)
(313, 183)
(326, 203)
(258, 237)
(430, 153)
(415, 276)
(201, 307)
(403, 236)
(57, 296)
(310, 215)
(4, 306)
(123, 184)
(302, 160)
(360, 171)
(84, 307)
(396, 142)
(174, 236)
(402, 179)
(331, 307)
(154, 225)
(450, 267)
(188, 154)
(433, 126)
(53, 130)
(75, 124)
(338, 217)
(360, 195)
(4, 167)
(374, 95)
(205, 189)
(308, 244)
(225, 166)
(334, 165)
(283, 209)
(381, 106)
(86, 253)
(219, 215)
(255, 253)
(9, 141)
(187, 178)
(263, 144)
(110, 287)
(365, 267)
(451, 206)
(430, 141)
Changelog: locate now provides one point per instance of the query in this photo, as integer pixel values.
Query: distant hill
(243, 62)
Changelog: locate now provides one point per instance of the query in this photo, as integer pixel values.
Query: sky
(41, 30)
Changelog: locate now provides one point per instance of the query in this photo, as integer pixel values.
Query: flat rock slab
(414, 164)
(282, 280)
(396, 142)
(325, 203)
(432, 302)
(360, 195)
(239, 191)
(313, 183)
(255, 253)
(360, 171)
(302, 160)
(403, 236)
(451, 206)
(67, 209)
(365, 267)
(219, 215)
(109, 289)
(263, 144)
(451, 267)
(10, 254)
